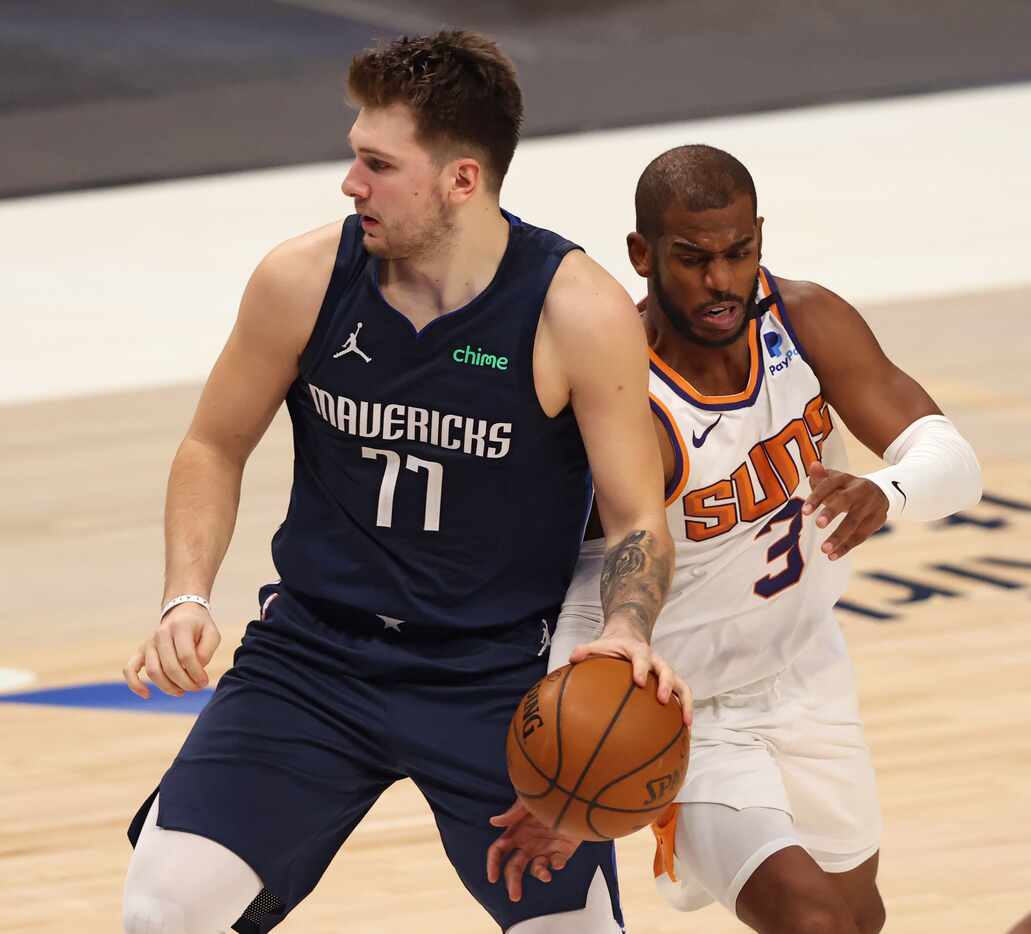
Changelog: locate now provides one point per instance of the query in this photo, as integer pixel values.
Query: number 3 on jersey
(785, 546)
(434, 485)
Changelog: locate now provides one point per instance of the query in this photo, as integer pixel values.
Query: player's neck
(456, 271)
(713, 371)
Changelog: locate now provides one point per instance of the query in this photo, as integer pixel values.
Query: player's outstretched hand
(619, 642)
(863, 502)
(176, 653)
(525, 844)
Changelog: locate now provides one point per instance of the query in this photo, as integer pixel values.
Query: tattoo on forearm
(634, 580)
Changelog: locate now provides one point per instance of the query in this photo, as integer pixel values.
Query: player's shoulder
(828, 327)
(590, 328)
(584, 298)
(814, 310)
(302, 256)
(808, 298)
(286, 289)
(296, 272)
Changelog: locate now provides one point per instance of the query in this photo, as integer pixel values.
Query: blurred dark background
(117, 91)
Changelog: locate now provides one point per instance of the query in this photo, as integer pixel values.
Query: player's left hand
(619, 641)
(526, 842)
(863, 503)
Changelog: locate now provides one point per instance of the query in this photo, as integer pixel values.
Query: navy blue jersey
(429, 485)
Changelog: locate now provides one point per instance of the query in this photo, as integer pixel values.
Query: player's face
(704, 270)
(397, 185)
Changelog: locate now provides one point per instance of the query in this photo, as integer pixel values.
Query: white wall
(138, 286)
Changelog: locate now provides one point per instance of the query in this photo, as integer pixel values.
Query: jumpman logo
(545, 638)
(351, 346)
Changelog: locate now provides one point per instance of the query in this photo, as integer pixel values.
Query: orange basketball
(592, 754)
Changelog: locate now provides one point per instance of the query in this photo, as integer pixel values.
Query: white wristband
(185, 598)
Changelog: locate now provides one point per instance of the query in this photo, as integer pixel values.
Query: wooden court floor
(939, 627)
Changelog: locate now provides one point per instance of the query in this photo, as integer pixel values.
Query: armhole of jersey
(592, 506)
(528, 339)
(681, 459)
(346, 265)
(780, 311)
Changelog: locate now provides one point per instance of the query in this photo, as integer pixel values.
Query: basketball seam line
(594, 755)
(558, 728)
(590, 802)
(552, 780)
(643, 765)
(593, 803)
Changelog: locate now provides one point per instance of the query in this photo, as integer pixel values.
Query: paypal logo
(775, 348)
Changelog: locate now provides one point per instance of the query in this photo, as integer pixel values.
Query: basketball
(593, 755)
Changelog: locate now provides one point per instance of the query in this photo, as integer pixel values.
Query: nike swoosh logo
(698, 442)
(905, 499)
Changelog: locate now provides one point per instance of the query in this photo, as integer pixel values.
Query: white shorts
(781, 762)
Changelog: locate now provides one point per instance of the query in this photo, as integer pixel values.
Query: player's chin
(375, 244)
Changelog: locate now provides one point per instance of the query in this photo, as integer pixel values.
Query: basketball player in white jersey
(778, 818)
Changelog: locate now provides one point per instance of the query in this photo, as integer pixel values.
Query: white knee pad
(147, 914)
(181, 883)
(594, 918)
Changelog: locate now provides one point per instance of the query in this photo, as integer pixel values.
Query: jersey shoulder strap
(351, 260)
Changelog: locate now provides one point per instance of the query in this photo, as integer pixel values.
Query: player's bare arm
(634, 581)
(595, 359)
(879, 403)
(594, 356)
(243, 392)
(636, 551)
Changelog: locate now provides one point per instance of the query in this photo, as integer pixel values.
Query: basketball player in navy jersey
(778, 817)
(455, 377)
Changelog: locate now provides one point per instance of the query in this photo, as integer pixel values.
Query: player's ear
(466, 175)
(640, 251)
(759, 235)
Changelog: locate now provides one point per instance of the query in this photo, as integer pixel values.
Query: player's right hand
(616, 641)
(176, 653)
(861, 502)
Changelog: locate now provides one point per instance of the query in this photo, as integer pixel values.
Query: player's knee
(163, 912)
(148, 913)
(803, 916)
(871, 918)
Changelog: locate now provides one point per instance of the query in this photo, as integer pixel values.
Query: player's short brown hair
(699, 177)
(460, 86)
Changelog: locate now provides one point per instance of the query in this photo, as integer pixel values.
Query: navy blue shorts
(320, 714)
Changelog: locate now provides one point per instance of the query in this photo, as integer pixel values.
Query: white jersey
(751, 586)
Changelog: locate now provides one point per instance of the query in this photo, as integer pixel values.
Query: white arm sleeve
(933, 472)
(581, 619)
